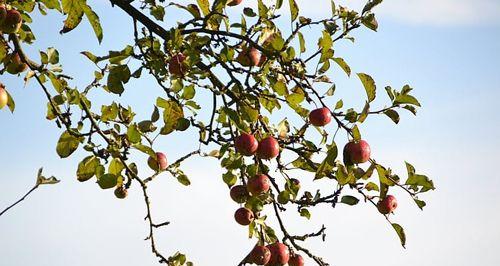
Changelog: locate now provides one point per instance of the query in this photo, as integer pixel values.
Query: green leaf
(369, 85)
(73, 10)
(401, 233)
(370, 22)
(305, 213)
(67, 144)
(42, 180)
(294, 9)
(229, 178)
(393, 115)
(133, 134)
(116, 167)
(355, 133)
(188, 92)
(405, 98)
(302, 42)
(204, 6)
(372, 187)
(341, 62)
(328, 163)
(349, 200)
(94, 21)
(87, 168)
(420, 203)
(171, 115)
(107, 181)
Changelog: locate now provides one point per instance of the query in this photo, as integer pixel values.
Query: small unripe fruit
(296, 260)
(4, 98)
(387, 205)
(239, 193)
(243, 216)
(121, 192)
(258, 184)
(158, 164)
(356, 152)
(176, 65)
(279, 254)
(12, 22)
(268, 148)
(320, 117)
(234, 2)
(246, 144)
(259, 255)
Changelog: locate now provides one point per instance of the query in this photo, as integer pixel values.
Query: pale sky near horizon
(447, 50)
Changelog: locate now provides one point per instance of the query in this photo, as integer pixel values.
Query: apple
(176, 65)
(268, 148)
(259, 255)
(15, 65)
(262, 60)
(387, 205)
(296, 260)
(356, 152)
(249, 57)
(246, 144)
(121, 192)
(159, 163)
(4, 98)
(234, 2)
(320, 117)
(279, 254)
(258, 184)
(243, 216)
(12, 21)
(239, 193)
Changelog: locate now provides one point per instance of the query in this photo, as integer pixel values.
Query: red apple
(258, 184)
(249, 56)
(356, 152)
(269, 148)
(387, 205)
(4, 98)
(296, 260)
(15, 65)
(176, 65)
(243, 216)
(279, 254)
(259, 255)
(239, 193)
(246, 144)
(121, 192)
(262, 60)
(320, 117)
(12, 22)
(234, 2)
(159, 163)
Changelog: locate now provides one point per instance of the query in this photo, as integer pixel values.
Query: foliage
(209, 55)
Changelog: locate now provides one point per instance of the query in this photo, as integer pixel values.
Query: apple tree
(250, 70)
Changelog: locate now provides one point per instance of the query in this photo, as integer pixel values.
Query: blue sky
(447, 51)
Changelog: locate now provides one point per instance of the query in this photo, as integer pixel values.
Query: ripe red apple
(279, 254)
(356, 152)
(296, 260)
(12, 22)
(239, 193)
(262, 60)
(159, 163)
(246, 144)
(268, 149)
(121, 192)
(176, 65)
(387, 205)
(258, 184)
(243, 216)
(249, 56)
(15, 65)
(4, 98)
(259, 255)
(320, 117)
(234, 2)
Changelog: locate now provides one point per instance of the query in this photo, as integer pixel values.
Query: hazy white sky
(447, 50)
